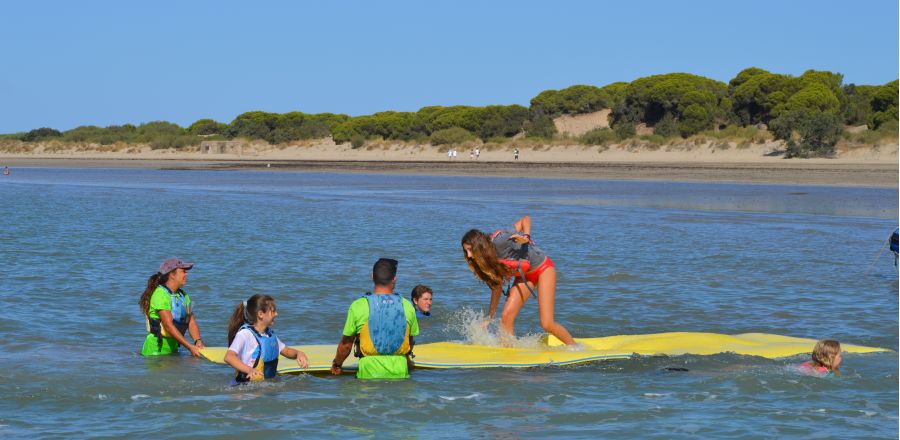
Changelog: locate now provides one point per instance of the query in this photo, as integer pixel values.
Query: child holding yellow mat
(253, 348)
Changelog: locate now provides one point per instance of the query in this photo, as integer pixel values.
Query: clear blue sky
(67, 63)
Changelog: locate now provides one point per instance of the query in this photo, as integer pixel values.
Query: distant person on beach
(472, 154)
(477, 153)
(167, 309)
(826, 358)
(384, 324)
(450, 154)
(421, 297)
(511, 255)
(516, 154)
(253, 348)
(5, 171)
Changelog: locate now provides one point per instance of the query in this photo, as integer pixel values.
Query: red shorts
(535, 273)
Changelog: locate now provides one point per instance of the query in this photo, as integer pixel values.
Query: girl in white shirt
(253, 348)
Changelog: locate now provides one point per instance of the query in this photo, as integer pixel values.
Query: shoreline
(818, 172)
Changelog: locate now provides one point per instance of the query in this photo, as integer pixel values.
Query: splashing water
(473, 327)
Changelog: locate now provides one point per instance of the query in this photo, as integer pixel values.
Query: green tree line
(808, 112)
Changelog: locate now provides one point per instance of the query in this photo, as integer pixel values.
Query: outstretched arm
(292, 353)
(495, 300)
(343, 350)
(165, 319)
(194, 330)
(231, 358)
(409, 356)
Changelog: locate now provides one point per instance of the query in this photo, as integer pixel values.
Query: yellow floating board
(679, 343)
(457, 355)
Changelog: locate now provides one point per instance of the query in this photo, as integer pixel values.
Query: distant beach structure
(222, 147)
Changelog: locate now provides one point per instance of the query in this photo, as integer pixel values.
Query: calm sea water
(634, 257)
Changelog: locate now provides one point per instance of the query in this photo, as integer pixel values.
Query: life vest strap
(524, 281)
(155, 327)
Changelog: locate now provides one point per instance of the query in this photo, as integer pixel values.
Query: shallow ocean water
(633, 257)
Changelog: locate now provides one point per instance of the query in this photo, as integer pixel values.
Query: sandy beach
(757, 163)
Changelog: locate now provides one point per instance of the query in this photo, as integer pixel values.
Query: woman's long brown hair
(484, 262)
(256, 303)
(152, 283)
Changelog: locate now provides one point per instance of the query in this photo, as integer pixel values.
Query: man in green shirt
(385, 324)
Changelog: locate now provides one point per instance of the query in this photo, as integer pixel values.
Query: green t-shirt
(379, 367)
(161, 300)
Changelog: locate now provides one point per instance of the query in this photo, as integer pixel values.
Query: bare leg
(546, 299)
(514, 302)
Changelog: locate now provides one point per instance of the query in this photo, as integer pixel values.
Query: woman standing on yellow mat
(511, 255)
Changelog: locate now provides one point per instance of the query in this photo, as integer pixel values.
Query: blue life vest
(267, 350)
(386, 331)
(179, 309)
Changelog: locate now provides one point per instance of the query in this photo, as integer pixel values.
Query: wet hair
(484, 262)
(152, 283)
(420, 290)
(384, 271)
(247, 312)
(824, 353)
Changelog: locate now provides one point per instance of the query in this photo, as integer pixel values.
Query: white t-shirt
(245, 345)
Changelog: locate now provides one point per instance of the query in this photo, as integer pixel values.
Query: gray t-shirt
(508, 249)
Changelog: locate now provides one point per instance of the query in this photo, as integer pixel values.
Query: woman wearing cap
(168, 311)
(511, 256)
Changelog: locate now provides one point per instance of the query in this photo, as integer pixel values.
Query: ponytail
(246, 312)
(152, 283)
(235, 322)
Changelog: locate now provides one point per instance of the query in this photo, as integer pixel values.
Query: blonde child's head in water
(827, 354)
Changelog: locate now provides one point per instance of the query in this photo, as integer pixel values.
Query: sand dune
(719, 161)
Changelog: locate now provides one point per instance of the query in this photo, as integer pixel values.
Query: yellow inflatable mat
(458, 355)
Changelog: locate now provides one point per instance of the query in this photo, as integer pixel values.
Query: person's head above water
(827, 354)
(172, 274)
(421, 297)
